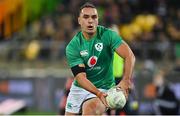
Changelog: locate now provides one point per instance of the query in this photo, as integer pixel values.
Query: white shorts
(76, 98)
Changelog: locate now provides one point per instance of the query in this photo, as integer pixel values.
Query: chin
(91, 32)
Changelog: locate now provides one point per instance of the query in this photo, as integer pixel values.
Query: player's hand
(126, 86)
(102, 97)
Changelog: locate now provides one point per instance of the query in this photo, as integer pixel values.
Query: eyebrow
(85, 15)
(89, 15)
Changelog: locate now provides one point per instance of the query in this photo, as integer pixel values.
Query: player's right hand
(126, 86)
(102, 97)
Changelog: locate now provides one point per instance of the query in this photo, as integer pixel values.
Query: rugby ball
(115, 98)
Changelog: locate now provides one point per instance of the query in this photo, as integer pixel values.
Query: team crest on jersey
(84, 53)
(92, 61)
(99, 46)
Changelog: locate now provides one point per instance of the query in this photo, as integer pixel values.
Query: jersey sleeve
(73, 55)
(115, 40)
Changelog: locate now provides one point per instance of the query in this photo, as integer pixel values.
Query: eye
(94, 17)
(86, 16)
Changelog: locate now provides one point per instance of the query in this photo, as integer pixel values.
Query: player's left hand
(126, 86)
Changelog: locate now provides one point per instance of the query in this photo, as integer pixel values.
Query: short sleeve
(115, 40)
(73, 55)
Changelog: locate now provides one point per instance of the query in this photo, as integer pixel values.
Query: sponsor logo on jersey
(84, 53)
(99, 46)
(69, 105)
(92, 61)
(95, 68)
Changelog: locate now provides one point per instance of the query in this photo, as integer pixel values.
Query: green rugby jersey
(96, 54)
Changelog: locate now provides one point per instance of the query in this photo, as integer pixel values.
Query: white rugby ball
(115, 98)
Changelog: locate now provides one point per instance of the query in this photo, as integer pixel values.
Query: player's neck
(88, 36)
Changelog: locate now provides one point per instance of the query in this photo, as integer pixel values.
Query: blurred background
(34, 76)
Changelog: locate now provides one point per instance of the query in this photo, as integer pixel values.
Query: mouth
(90, 27)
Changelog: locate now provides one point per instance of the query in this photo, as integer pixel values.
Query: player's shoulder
(74, 41)
(104, 30)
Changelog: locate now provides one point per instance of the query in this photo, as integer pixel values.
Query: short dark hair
(86, 5)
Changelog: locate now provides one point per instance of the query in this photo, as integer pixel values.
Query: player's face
(88, 20)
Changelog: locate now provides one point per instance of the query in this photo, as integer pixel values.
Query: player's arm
(80, 76)
(129, 60)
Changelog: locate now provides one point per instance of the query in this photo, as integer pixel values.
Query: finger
(126, 93)
(104, 94)
(130, 90)
(105, 102)
(123, 87)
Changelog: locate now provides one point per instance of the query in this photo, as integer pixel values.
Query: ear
(79, 20)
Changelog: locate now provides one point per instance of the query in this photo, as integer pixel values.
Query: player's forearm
(86, 84)
(129, 66)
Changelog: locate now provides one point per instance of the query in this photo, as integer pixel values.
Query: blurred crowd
(151, 25)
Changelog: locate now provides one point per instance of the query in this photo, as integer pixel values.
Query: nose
(90, 20)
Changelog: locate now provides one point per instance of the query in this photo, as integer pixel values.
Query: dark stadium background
(34, 33)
